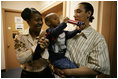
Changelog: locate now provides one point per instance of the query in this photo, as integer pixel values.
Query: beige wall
(19, 5)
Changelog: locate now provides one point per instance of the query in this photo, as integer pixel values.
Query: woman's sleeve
(23, 54)
(98, 58)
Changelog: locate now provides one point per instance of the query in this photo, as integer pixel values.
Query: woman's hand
(43, 41)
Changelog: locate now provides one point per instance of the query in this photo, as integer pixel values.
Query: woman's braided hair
(28, 12)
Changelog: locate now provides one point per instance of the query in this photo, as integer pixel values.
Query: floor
(11, 73)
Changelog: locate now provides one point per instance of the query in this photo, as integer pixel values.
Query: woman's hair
(88, 7)
(28, 12)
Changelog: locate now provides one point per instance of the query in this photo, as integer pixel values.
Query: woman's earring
(87, 17)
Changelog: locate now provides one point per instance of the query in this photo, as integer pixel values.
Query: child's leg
(64, 63)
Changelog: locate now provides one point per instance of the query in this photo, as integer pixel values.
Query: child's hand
(80, 28)
(66, 19)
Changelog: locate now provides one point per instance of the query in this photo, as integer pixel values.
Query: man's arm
(80, 72)
(98, 62)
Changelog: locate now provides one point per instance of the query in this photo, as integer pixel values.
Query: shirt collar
(86, 32)
(25, 32)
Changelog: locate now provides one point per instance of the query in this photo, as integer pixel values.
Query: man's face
(80, 14)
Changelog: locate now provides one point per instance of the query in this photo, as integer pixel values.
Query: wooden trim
(51, 6)
(100, 16)
(98, 23)
(5, 37)
(4, 32)
(64, 8)
(12, 10)
(113, 39)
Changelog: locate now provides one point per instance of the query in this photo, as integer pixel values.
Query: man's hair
(88, 7)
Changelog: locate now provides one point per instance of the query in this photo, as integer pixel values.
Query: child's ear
(48, 23)
(28, 21)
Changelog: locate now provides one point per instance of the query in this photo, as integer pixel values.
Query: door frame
(5, 34)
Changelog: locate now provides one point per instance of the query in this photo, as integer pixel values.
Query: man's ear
(89, 13)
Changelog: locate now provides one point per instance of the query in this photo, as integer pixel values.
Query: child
(57, 37)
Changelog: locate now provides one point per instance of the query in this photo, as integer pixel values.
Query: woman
(88, 49)
(29, 47)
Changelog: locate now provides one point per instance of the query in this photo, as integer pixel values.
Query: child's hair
(47, 17)
(28, 12)
(88, 7)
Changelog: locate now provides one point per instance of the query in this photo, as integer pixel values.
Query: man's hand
(59, 72)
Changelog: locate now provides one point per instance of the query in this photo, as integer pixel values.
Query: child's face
(54, 20)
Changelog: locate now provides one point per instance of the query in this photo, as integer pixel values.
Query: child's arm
(59, 29)
(70, 34)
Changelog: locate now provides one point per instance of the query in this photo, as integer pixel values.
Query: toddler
(57, 37)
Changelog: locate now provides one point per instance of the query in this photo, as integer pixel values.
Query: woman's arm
(42, 44)
(23, 54)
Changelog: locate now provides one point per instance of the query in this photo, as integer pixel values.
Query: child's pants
(64, 63)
